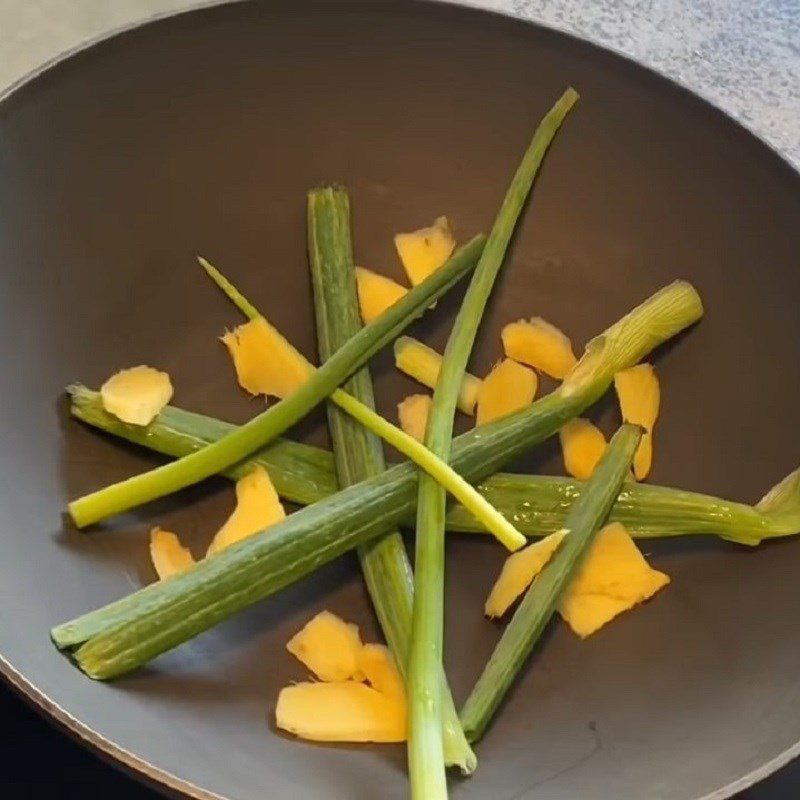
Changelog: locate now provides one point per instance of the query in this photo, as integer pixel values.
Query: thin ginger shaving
(136, 395)
(540, 345)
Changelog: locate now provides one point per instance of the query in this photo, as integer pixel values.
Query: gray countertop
(742, 55)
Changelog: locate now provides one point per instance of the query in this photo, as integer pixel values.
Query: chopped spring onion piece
(493, 521)
(358, 455)
(272, 422)
(126, 634)
(537, 503)
(426, 759)
(529, 620)
(423, 364)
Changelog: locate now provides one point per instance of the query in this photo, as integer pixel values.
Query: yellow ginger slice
(423, 364)
(376, 293)
(424, 251)
(168, 555)
(413, 413)
(257, 507)
(136, 395)
(540, 345)
(376, 663)
(329, 647)
(343, 711)
(639, 396)
(613, 578)
(582, 445)
(518, 571)
(265, 362)
(509, 387)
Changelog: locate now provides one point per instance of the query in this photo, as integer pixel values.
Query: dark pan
(201, 134)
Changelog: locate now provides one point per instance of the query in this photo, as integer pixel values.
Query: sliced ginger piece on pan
(518, 571)
(265, 362)
(136, 395)
(582, 445)
(509, 387)
(413, 414)
(168, 555)
(376, 663)
(376, 293)
(342, 711)
(329, 647)
(639, 396)
(539, 344)
(614, 577)
(423, 363)
(257, 507)
(424, 251)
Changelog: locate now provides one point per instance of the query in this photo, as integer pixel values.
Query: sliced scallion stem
(126, 634)
(359, 455)
(488, 516)
(275, 420)
(584, 519)
(538, 504)
(425, 754)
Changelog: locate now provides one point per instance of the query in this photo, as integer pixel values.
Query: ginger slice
(540, 345)
(423, 364)
(509, 387)
(639, 396)
(376, 293)
(257, 507)
(582, 445)
(265, 362)
(424, 251)
(329, 647)
(518, 571)
(168, 555)
(136, 395)
(413, 414)
(614, 577)
(343, 711)
(375, 661)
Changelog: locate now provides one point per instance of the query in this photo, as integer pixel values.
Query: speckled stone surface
(742, 55)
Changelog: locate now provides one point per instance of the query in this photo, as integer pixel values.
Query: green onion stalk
(425, 751)
(124, 635)
(275, 420)
(327, 219)
(534, 612)
(537, 504)
(358, 455)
